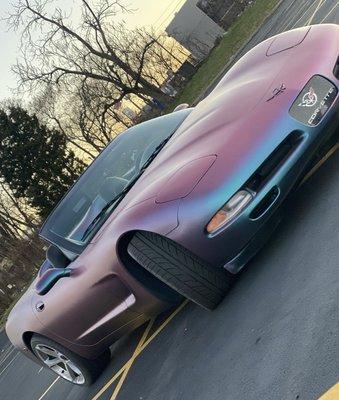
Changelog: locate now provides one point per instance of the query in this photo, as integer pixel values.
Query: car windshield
(108, 177)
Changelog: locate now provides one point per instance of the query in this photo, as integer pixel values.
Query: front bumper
(234, 245)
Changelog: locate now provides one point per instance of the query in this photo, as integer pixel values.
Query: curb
(209, 88)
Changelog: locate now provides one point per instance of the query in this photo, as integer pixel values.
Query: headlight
(230, 210)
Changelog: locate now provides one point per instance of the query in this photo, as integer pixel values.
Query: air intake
(271, 165)
(336, 69)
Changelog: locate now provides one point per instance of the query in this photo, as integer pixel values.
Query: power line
(164, 12)
(169, 15)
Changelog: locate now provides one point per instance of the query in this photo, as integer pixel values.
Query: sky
(157, 13)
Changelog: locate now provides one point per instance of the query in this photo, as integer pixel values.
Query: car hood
(239, 124)
(243, 120)
(230, 124)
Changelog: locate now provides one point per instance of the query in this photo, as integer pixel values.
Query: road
(275, 336)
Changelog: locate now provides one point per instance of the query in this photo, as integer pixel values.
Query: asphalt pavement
(274, 337)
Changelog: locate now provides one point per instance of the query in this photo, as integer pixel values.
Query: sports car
(175, 207)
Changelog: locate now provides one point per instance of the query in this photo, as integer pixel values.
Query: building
(194, 30)
(223, 12)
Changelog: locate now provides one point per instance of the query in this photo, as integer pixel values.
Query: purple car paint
(283, 94)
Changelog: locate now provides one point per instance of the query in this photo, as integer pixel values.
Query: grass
(238, 34)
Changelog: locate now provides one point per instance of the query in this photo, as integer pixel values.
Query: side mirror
(180, 107)
(56, 257)
(49, 278)
(46, 265)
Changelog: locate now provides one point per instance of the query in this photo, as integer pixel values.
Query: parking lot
(274, 337)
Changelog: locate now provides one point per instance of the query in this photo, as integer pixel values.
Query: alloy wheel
(60, 364)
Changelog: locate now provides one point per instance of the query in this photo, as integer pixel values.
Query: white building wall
(194, 29)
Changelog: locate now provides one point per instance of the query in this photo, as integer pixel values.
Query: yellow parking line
(129, 364)
(163, 325)
(332, 394)
(49, 388)
(143, 344)
(320, 163)
(330, 12)
(139, 349)
(315, 11)
(123, 369)
(109, 383)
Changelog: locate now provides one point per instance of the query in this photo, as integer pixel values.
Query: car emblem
(309, 99)
(277, 91)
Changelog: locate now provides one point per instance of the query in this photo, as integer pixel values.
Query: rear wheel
(180, 269)
(66, 364)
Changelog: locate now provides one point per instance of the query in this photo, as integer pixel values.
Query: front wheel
(180, 269)
(68, 365)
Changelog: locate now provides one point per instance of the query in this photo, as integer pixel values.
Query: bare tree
(17, 218)
(20, 248)
(87, 115)
(165, 56)
(55, 49)
(20, 260)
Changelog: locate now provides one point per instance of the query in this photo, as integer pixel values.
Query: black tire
(180, 269)
(90, 369)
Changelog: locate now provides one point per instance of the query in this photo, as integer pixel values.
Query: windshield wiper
(100, 215)
(153, 155)
(119, 197)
